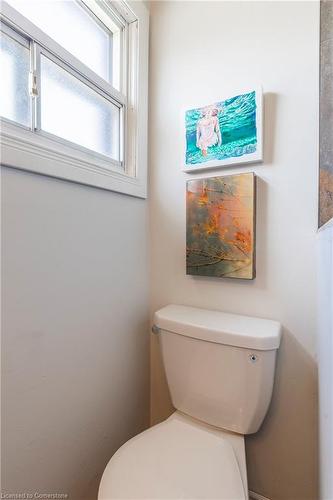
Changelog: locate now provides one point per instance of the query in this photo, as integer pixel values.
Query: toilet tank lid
(220, 327)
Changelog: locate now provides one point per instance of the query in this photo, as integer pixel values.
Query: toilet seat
(177, 459)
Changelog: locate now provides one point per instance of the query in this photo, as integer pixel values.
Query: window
(65, 99)
(76, 30)
(73, 90)
(15, 103)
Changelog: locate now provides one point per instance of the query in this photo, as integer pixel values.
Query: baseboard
(256, 496)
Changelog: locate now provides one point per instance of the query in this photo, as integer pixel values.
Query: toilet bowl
(220, 372)
(179, 458)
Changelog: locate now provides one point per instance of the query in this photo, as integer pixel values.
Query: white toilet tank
(220, 367)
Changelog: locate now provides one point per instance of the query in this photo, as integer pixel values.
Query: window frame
(41, 152)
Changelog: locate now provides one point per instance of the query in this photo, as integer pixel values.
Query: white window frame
(44, 153)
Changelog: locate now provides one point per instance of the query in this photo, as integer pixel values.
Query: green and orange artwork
(220, 232)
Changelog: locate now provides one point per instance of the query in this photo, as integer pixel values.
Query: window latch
(33, 87)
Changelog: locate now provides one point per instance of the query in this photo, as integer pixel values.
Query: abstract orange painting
(220, 226)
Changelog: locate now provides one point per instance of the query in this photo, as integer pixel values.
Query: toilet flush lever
(155, 329)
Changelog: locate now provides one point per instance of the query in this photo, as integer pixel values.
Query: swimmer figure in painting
(208, 130)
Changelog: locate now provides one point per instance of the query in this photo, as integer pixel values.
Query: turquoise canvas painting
(225, 132)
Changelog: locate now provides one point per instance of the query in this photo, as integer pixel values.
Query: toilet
(220, 372)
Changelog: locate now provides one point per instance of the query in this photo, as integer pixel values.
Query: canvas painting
(326, 114)
(224, 133)
(220, 226)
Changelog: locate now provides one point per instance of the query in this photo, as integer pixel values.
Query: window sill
(22, 149)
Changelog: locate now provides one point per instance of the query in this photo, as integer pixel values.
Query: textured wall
(326, 112)
(203, 49)
(74, 331)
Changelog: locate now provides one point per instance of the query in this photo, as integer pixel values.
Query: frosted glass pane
(14, 81)
(73, 28)
(72, 110)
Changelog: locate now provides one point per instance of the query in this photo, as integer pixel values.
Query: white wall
(74, 337)
(204, 49)
(325, 356)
